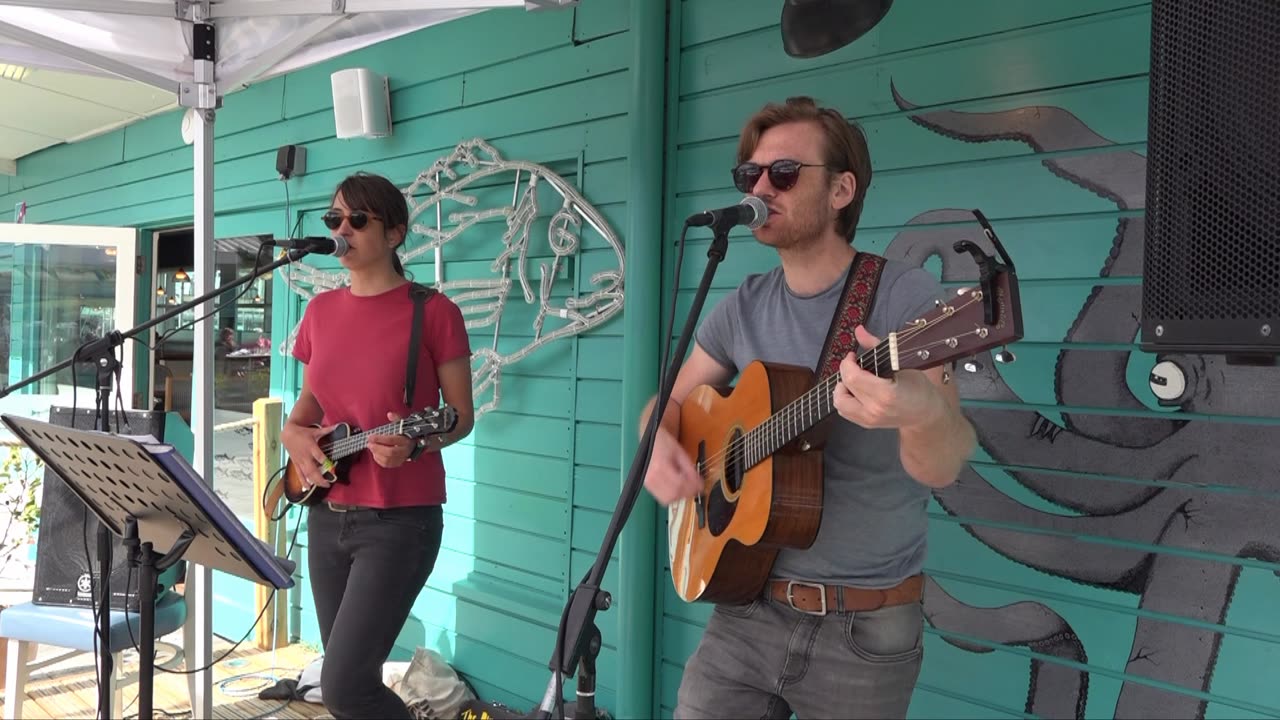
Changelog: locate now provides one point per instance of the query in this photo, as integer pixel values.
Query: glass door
(62, 286)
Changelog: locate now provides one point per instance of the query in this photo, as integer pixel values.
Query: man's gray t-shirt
(873, 517)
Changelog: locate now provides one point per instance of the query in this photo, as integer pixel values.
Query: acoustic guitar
(344, 441)
(758, 445)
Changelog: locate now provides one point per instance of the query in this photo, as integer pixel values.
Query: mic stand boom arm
(101, 353)
(578, 641)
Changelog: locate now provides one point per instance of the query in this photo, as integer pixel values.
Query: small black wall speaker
(291, 160)
(63, 569)
(1211, 258)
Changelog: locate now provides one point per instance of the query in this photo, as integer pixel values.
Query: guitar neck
(353, 444)
(812, 407)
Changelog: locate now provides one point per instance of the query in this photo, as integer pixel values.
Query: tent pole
(202, 94)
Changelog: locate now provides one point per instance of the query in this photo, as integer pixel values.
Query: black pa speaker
(291, 161)
(63, 569)
(1211, 264)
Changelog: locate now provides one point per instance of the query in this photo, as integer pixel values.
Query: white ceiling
(47, 107)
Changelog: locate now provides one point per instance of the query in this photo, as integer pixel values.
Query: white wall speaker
(361, 104)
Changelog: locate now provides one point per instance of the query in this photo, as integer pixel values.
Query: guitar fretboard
(806, 411)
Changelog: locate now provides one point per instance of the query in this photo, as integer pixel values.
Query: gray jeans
(767, 660)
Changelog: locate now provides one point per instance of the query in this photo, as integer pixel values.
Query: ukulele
(344, 441)
(762, 468)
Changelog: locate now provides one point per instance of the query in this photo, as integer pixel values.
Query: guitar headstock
(975, 319)
(429, 421)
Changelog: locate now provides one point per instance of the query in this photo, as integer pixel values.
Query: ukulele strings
(792, 411)
(348, 445)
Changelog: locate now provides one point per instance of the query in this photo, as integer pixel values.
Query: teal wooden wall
(1103, 555)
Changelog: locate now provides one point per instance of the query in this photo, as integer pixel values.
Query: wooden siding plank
(593, 20)
(534, 514)
(493, 540)
(563, 64)
(598, 444)
(596, 488)
(599, 401)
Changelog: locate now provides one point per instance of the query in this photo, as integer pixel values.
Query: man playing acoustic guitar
(836, 630)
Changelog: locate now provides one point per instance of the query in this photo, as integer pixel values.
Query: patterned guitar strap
(853, 310)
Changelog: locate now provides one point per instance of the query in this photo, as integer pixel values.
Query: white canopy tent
(201, 50)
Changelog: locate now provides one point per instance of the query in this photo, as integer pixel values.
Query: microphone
(751, 211)
(336, 245)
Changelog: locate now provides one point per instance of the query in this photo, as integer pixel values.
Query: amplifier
(63, 569)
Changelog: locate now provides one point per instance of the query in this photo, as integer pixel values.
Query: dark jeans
(767, 660)
(367, 567)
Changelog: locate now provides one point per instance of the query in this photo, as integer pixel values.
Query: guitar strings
(348, 445)
(821, 392)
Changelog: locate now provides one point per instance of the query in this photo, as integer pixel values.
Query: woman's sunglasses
(358, 219)
(783, 174)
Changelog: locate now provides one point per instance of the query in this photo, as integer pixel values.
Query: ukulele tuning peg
(1005, 357)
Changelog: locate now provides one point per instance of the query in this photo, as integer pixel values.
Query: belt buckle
(822, 596)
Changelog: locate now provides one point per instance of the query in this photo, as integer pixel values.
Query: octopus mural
(1166, 459)
(474, 202)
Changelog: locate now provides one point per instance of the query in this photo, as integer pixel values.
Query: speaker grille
(63, 569)
(1212, 255)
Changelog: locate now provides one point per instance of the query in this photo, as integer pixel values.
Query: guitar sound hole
(720, 509)
(733, 463)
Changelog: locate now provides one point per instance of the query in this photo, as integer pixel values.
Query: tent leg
(202, 94)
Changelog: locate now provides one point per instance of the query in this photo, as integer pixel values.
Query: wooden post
(268, 414)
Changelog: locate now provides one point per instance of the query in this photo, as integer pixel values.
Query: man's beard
(803, 227)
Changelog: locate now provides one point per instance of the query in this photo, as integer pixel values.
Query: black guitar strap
(420, 294)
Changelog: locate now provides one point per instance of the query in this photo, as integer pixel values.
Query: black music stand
(145, 492)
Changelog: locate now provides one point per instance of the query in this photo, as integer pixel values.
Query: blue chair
(27, 625)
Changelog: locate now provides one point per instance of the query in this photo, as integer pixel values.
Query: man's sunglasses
(783, 174)
(358, 219)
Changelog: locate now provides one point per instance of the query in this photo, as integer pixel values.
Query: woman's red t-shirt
(355, 349)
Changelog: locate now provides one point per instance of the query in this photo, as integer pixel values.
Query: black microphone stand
(101, 353)
(578, 640)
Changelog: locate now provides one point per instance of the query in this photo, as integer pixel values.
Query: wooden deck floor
(69, 690)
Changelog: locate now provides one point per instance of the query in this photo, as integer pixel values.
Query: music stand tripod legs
(143, 556)
(149, 495)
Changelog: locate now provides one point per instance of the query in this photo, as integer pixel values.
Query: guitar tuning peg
(972, 365)
(1004, 356)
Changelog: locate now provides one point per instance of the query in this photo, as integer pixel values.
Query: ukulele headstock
(429, 421)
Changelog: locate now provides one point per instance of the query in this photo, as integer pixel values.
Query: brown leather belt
(818, 599)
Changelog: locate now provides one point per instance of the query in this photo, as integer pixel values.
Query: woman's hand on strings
(390, 450)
